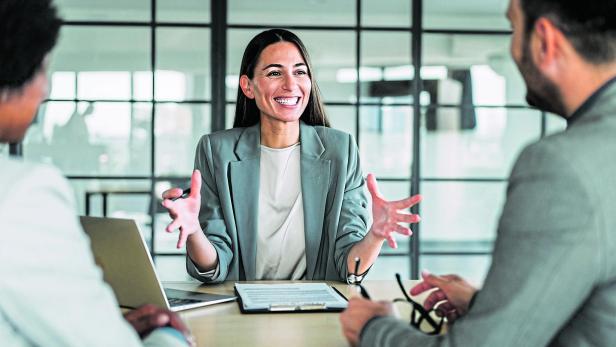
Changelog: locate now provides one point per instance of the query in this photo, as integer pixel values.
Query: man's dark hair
(246, 111)
(28, 31)
(589, 25)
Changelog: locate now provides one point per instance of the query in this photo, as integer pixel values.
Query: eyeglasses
(420, 318)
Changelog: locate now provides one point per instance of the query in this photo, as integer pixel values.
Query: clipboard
(289, 298)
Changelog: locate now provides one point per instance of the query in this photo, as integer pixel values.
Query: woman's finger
(407, 218)
(406, 203)
(404, 230)
(176, 223)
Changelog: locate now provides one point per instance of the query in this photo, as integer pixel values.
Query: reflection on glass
(133, 10)
(460, 212)
(183, 64)
(178, 130)
(386, 140)
(183, 11)
(472, 268)
(461, 142)
(277, 13)
(388, 13)
(100, 138)
(386, 73)
(478, 14)
(329, 53)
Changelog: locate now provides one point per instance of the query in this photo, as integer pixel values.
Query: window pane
(385, 268)
(183, 11)
(178, 130)
(342, 118)
(460, 212)
(101, 138)
(328, 50)
(98, 63)
(388, 13)
(477, 14)
(281, 12)
(386, 140)
(172, 268)
(127, 10)
(386, 72)
(472, 268)
(475, 142)
(125, 199)
(183, 64)
(477, 69)
(555, 124)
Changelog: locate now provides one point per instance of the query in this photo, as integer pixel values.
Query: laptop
(121, 252)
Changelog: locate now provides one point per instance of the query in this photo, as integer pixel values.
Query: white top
(51, 292)
(281, 247)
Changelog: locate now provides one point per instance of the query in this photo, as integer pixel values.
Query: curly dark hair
(28, 31)
(589, 25)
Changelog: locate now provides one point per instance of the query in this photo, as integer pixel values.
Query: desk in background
(225, 325)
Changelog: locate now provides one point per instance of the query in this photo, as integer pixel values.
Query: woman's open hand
(184, 212)
(388, 214)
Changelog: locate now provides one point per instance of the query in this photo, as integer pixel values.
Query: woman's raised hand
(388, 214)
(184, 212)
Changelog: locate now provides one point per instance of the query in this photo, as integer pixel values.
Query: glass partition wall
(426, 87)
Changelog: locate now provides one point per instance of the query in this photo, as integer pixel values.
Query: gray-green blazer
(553, 274)
(336, 212)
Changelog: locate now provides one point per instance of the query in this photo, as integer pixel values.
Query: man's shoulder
(19, 174)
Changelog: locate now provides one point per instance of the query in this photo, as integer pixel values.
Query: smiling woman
(281, 195)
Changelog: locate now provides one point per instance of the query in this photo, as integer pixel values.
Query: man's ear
(546, 44)
(246, 86)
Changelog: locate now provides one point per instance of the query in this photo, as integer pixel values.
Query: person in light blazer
(281, 195)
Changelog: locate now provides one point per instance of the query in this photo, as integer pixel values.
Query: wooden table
(225, 325)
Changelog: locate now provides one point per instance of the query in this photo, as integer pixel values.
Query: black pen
(185, 194)
(362, 290)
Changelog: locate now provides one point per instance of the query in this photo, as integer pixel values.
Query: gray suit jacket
(336, 212)
(553, 274)
(51, 292)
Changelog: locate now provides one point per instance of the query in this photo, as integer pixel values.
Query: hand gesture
(149, 317)
(184, 212)
(452, 297)
(387, 214)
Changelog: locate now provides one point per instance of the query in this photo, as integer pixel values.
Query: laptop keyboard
(173, 302)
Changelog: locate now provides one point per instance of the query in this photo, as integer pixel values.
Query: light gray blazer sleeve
(546, 260)
(51, 292)
(211, 216)
(354, 213)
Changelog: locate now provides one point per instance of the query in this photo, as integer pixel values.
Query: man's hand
(387, 214)
(358, 313)
(452, 297)
(149, 317)
(184, 212)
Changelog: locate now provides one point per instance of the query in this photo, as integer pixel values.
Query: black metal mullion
(357, 67)
(153, 199)
(416, 52)
(544, 123)
(218, 63)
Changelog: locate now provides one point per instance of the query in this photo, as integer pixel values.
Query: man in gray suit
(51, 292)
(553, 275)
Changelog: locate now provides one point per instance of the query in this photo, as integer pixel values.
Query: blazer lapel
(315, 173)
(244, 175)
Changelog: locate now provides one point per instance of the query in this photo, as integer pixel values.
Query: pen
(362, 290)
(184, 195)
